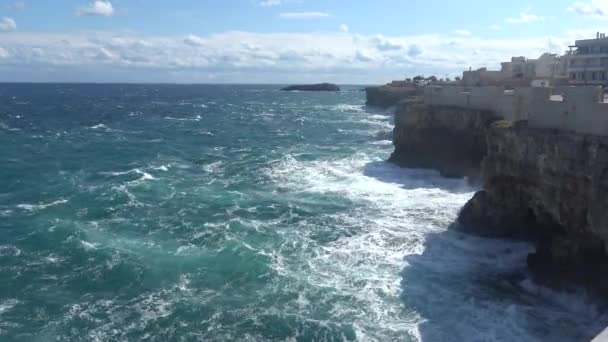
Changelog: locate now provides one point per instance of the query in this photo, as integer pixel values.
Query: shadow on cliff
(415, 178)
(467, 288)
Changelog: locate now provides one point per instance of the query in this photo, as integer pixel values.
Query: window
(594, 75)
(602, 75)
(573, 76)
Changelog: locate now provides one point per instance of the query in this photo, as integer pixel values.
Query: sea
(243, 213)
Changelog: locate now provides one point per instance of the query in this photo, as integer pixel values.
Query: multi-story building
(519, 72)
(588, 61)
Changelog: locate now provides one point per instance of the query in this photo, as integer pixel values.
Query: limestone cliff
(448, 139)
(387, 96)
(551, 186)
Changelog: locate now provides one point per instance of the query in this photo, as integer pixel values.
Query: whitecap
(382, 142)
(213, 167)
(88, 245)
(40, 206)
(7, 305)
(99, 126)
(196, 118)
(9, 250)
(162, 167)
(348, 108)
(144, 175)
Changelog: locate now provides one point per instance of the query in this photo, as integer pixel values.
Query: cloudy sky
(279, 41)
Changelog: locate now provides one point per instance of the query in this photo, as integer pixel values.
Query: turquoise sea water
(241, 213)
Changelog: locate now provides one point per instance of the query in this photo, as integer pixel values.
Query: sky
(280, 41)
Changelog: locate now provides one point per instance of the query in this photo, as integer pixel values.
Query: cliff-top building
(588, 61)
(520, 72)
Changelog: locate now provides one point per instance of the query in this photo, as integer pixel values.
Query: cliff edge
(388, 96)
(449, 139)
(550, 186)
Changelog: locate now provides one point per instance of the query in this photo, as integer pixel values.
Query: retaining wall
(579, 109)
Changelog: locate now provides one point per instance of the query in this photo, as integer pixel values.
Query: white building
(588, 61)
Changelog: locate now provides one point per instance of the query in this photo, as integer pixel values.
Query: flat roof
(588, 42)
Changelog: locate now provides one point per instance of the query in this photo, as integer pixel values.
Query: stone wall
(578, 109)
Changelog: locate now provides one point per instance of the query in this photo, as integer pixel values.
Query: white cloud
(344, 28)
(464, 33)
(7, 24)
(385, 44)
(269, 3)
(194, 40)
(256, 57)
(3, 53)
(524, 18)
(414, 51)
(495, 27)
(594, 8)
(304, 15)
(98, 7)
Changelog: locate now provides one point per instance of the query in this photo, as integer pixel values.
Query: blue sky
(279, 41)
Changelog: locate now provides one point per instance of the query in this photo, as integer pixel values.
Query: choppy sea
(242, 213)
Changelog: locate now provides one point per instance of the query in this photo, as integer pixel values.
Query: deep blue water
(219, 213)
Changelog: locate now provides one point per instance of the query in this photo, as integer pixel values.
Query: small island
(312, 87)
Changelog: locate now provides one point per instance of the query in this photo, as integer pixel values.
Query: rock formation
(448, 139)
(312, 87)
(551, 186)
(388, 96)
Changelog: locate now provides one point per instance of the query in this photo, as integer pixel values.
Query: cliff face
(387, 96)
(448, 139)
(550, 186)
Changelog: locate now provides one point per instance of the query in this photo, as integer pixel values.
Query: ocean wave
(196, 118)
(8, 128)
(99, 126)
(214, 167)
(7, 305)
(40, 206)
(382, 142)
(164, 168)
(144, 175)
(343, 107)
(9, 250)
(380, 117)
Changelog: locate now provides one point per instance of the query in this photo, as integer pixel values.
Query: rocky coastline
(388, 96)
(549, 186)
(545, 185)
(448, 139)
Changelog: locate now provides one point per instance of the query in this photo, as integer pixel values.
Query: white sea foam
(144, 175)
(41, 206)
(393, 221)
(401, 213)
(382, 142)
(7, 305)
(348, 108)
(195, 118)
(88, 245)
(162, 167)
(9, 250)
(213, 167)
(99, 126)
